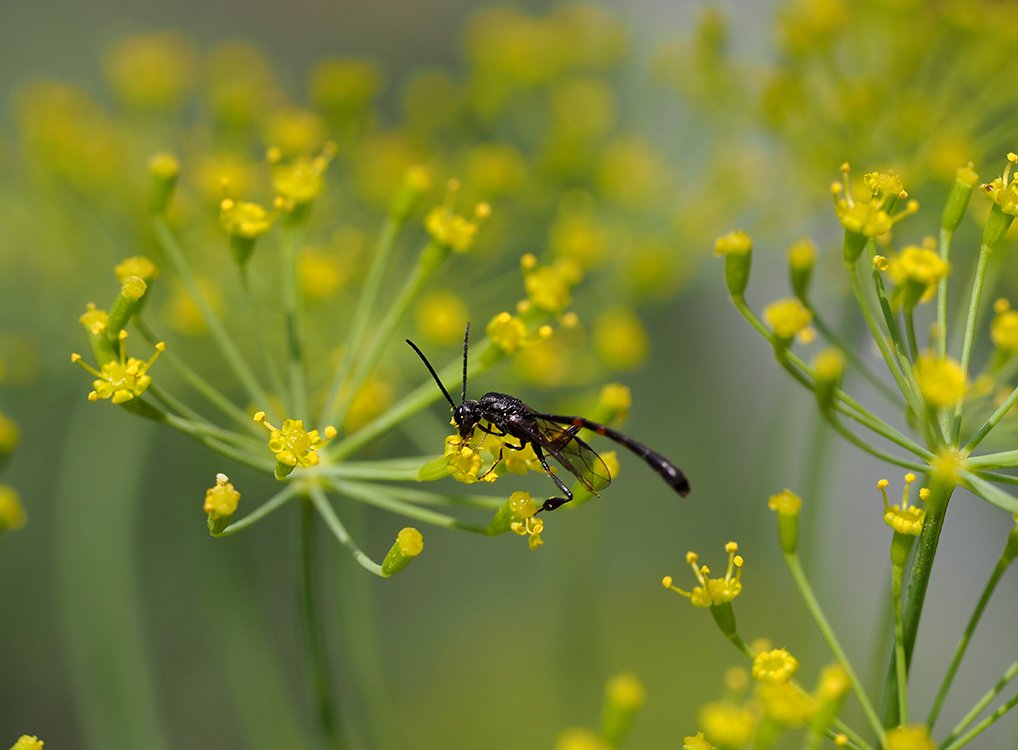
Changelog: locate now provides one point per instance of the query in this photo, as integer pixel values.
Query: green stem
(970, 326)
(945, 252)
(853, 358)
(999, 413)
(915, 592)
(377, 495)
(290, 292)
(363, 312)
(871, 449)
(389, 469)
(339, 531)
(212, 394)
(258, 324)
(425, 497)
(315, 656)
(230, 451)
(273, 503)
(806, 592)
(856, 741)
(963, 643)
(989, 492)
(899, 646)
(230, 353)
(913, 346)
(366, 361)
(951, 743)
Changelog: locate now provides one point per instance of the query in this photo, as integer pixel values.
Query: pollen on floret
(870, 217)
(941, 380)
(136, 265)
(910, 737)
(787, 317)
(525, 521)
(775, 665)
(462, 460)
(785, 503)
(736, 242)
(903, 518)
(94, 319)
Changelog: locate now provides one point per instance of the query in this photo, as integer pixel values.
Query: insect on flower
(502, 415)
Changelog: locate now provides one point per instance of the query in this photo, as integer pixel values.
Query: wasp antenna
(432, 371)
(466, 340)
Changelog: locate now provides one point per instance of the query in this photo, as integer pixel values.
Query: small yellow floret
(525, 522)
(244, 219)
(12, 513)
(787, 317)
(1004, 190)
(911, 737)
(222, 498)
(462, 460)
(829, 365)
(728, 724)
(1004, 328)
(941, 381)
(93, 319)
(696, 742)
(410, 541)
(164, 166)
(735, 242)
(451, 230)
(904, 518)
(802, 255)
(786, 703)
(292, 445)
(136, 265)
(580, 739)
(28, 742)
(834, 683)
(774, 666)
(626, 692)
(712, 591)
(299, 182)
(548, 287)
(9, 435)
(121, 379)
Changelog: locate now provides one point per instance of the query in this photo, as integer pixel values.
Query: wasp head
(466, 416)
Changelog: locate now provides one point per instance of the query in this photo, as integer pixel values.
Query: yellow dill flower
(712, 591)
(300, 181)
(696, 742)
(220, 174)
(1004, 327)
(222, 498)
(941, 381)
(829, 365)
(344, 88)
(244, 219)
(374, 397)
(381, 163)
(869, 218)
(409, 545)
(911, 737)
(183, 313)
(495, 169)
(240, 85)
(163, 169)
(632, 174)
(728, 724)
(9, 435)
(775, 665)
(523, 510)
(834, 682)
(440, 317)
(785, 702)
(137, 265)
(802, 255)
(787, 318)
(151, 71)
(295, 131)
(735, 242)
(577, 234)
(918, 269)
(320, 272)
(292, 445)
(462, 460)
(12, 512)
(620, 339)
(451, 230)
(583, 108)
(28, 742)
(548, 287)
(122, 379)
(507, 332)
(614, 401)
(94, 319)
(904, 518)
(624, 696)
(577, 738)
(1003, 190)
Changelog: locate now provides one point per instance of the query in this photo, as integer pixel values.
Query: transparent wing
(576, 457)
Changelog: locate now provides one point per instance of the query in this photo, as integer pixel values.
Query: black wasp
(502, 415)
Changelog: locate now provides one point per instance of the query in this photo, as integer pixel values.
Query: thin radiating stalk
(954, 741)
(970, 326)
(290, 292)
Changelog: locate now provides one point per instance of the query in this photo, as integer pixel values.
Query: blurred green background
(123, 625)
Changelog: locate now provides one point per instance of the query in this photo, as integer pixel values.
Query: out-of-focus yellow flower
(374, 397)
(221, 174)
(295, 132)
(941, 380)
(633, 175)
(344, 88)
(151, 71)
(183, 313)
(381, 164)
(240, 85)
(918, 270)
(12, 513)
(577, 233)
(728, 724)
(320, 272)
(787, 318)
(578, 738)
(620, 339)
(1004, 327)
(911, 737)
(495, 169)
(441, 316)
(584, 108)
(300, 181)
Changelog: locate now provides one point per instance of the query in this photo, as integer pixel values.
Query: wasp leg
(552, 502)
(498, 460)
